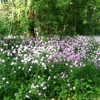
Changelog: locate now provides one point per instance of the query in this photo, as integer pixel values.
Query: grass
(55, 69)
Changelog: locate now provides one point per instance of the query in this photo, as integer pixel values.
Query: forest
(46, 17)
(49, 50)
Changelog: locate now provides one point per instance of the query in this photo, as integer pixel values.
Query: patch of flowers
(33, 68)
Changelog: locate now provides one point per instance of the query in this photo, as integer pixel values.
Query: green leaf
(85, 22)
(90, 80)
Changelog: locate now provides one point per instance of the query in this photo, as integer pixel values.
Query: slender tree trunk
(31, 28)
(12, 28)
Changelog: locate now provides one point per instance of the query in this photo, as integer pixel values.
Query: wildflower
(60, 54)
(3, 78)
(27, 96)
(30, 91)
(14, 71)
(16, 46)
(50, 57)
(42, 85)
(45, 67)
(49, 70)
(39, 77)
(62, 47)
(71, 70)
(68, 85)
(7, 82)
(15, 94)
(55, 77)
(47, 55)
(39, 94)
(3, 60)
(22, 60)
(63, 76)
(36, 61)
(66, 76)
(29, 69)
(32, 62)
(31, 66)
(25, 48)
(48, 78)
(44, 88)
(22, 68)
(13, 63)
(33, 86)
(66, 64)
(12, 47)
(14, 51)
(74, 88)
(83, 65)
(55, 55)
(37, 85)
(71, 66)
(78, 57)
(1, 50)
(52, 65)
(55, 60)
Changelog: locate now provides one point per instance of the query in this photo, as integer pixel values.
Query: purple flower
(71, 57)
(68, 85)
(55, 54)
(78, 57)
(55, 60)
(62, 47)
(60, 54)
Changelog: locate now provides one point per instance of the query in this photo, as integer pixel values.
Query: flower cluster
(44, 65)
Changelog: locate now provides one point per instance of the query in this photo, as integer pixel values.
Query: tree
(31, 25)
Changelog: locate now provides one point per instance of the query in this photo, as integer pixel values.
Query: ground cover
(50, 68)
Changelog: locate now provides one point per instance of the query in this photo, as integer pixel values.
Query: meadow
(66, 68)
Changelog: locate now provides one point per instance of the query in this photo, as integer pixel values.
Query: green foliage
(20, 21)
(20, 25)
(4, 26)
(63, 17)
(16, 17)
(69, 17)
(55, 80)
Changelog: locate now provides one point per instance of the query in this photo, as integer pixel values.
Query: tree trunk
(31, 28)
